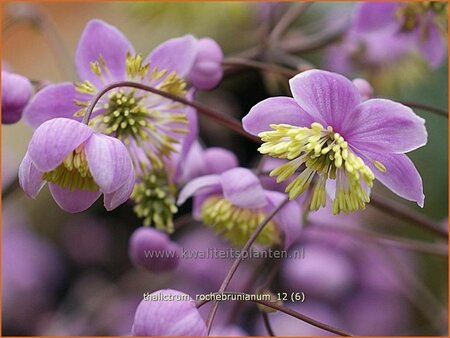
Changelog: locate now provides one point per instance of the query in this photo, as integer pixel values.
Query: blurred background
(68, 274)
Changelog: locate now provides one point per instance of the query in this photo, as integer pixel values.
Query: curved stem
(421, 106)
(292, 13)
(392, 241)
(239, 260)
(204, 110)
(267, 324)
(271, 67)
(287, 311)
(400, 211)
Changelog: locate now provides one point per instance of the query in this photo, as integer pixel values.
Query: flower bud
(168, 313)
(153, 250)
(207, 72)
(16, 92)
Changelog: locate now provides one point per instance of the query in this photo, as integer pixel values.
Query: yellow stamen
(321, 152)
(155, 201)
(237, 224)
(73, 173)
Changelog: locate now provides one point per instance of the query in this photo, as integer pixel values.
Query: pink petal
(30, 179)
(381, 124)
(327, 97)
(207, 71)
(55, 100)
(370, 16)
(275, 110)
(73, 201)
(218, 160)
(109, 162)
(121, 195)
(401, 176)
(54, 140)
(242, 188)
(101, 39)
(176, 55)
(199, 185)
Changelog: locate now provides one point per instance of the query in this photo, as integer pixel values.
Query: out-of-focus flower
(78, 164)
(153, 250)
(200, 162)
(16, 92)
(168, 313)
(322, 272)
(207, 72)
(351, 275)
(32, 269)
(87, 240)
(423, 23)
(364, 87)
(343, 142)
(203, 269)
(234, 204)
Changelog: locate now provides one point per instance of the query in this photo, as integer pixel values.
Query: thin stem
(400, 211)
(224, 120)
(421, 106)
(285, 310)
(313, 42)
(41, 21)
(239, 260)
(400, 243)
(266, 321)
(271, 67)
(292, 13)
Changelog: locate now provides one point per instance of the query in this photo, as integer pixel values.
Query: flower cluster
(128, 130)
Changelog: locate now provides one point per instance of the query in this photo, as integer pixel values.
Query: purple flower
(332, 136)
(234, 203)
(207, 72)
(152, 127)
(153, 250)
(149, 125)
(424, 24)
(16, 92)
(78, 164)
(168, 313)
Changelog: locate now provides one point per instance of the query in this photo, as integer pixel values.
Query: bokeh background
(70, 274)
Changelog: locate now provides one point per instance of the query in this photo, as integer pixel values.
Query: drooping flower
(423, 23)
(152, 127)
(339, 142)
(78, 164)
(16, 92)
(153, 250)
(234, 204)
(168, 313)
